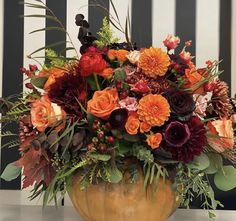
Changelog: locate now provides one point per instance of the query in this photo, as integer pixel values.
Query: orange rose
(103, 103)
(132, 124)
(120, 55)
(112, 54)
(44, 113)
(54, 73)
(154, 140)
(224, 129)
(107, 73)
(144, 127)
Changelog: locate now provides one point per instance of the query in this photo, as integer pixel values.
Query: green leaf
(40, 16)
(91, 82)
(119, 75)
(115, 174)
(200, 163)
(11, 172)
(39, 82)
(225, 179)
(48, 29)
(101, 157)
(131, 138)
(123, 146)
(216, 162)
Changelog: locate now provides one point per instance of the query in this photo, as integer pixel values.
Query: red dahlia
(69, 91)
(185, 140)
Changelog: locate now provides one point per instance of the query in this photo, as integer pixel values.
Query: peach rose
(103, 103)
(132, 124)
(133, 57)
(44, 113)
(54, 73)
(154, 140)
(107, 73)
(145, 127)
(224, 129)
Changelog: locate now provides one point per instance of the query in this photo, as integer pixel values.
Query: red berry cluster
(101, 141)
(30, 72)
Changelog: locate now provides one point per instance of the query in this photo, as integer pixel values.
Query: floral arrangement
(117, 103)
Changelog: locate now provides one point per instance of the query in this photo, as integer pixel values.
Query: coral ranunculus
(44, 113)
(132, 124)
(171, 41)
(90, 63)
(103, 103)
(223, 130)
(154, 140)
(154, 62)
(153, 109)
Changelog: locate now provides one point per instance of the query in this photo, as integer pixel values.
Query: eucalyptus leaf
(200, 162)
(101, 157)
(225, 179)
(38, 82)
(115, 174)
(216, 162)
(11, 172)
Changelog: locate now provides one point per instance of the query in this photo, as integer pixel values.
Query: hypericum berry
(108, 126)
(118, 84)
(28, 73)
(95, 126)
(102, 147)
(110, 139)
(90, 146)
(33, 68)
(22, 70)
(29, 86)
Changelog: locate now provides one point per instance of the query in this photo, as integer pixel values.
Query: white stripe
(31, 43)
(75, 7)
(123, 8)
(233, 58)
(163, 21)
(207, 28)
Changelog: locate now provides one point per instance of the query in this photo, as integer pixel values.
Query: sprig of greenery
(106, 35)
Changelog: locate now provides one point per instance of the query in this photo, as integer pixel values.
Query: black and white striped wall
(211, 25)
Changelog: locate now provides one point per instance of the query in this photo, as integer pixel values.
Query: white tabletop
(11, 210)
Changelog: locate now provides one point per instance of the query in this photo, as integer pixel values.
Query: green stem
(96, 81)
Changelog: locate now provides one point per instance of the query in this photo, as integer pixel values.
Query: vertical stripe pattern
(211, 25)
(141, 26)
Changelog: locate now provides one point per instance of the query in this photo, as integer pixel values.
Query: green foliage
(11, 144)
(120, 75)
(201, 162)
(225, 179)
(38, 82)
(11, 172)
(216, 163)
(106, 35)
(55, 59)
(194, 182)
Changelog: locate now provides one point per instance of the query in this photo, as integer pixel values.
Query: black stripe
(59, 9)
(96, 14)
(141, 28)
(12, 79)
(185, 22)
(225, 39)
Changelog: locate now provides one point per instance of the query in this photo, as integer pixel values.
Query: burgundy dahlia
(69, 91)
(185, 140)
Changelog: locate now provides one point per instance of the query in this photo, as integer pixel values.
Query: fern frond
(7, 134)
(11, 144)
(18, 110)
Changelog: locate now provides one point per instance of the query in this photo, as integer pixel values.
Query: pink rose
(130, 103)
(171, 42)
(186, 56)
(201, 103)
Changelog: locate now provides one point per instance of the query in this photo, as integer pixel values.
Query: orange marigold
(154, 140)
(153, 109)
(154, 62)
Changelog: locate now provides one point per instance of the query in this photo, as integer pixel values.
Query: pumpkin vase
(124, 201)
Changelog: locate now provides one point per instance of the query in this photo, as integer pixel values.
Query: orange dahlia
(154, 62)
(153, 109)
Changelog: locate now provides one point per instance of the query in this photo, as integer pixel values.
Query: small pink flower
(201, 103)
(171, 42)
(133, 57)
(186, 56)
(130, 103)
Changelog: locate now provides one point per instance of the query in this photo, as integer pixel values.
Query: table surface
(11, 210)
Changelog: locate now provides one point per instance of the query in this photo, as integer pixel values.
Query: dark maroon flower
(181, 103)
(177, 134)
(192, 136)
(69, 91)
(118, 118)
